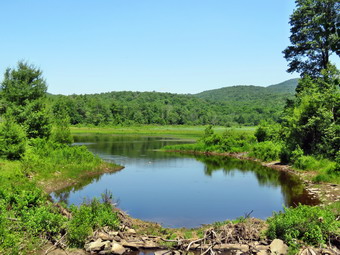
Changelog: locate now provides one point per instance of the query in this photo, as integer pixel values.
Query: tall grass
(47, 158)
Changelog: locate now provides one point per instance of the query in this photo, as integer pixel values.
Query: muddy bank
(59, 182)
(327, 193)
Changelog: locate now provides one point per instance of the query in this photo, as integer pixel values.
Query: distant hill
(242, 92)
(288, 86)
(229, 106)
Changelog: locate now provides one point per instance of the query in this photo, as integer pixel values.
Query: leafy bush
(47, 157)
(12, 140)
(25, 218)
(267, 132)
(87, 217)
(313, 225)
(266, 151)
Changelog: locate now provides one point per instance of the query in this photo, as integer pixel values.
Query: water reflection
(180, 190)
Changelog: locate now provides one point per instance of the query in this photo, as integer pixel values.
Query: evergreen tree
(23, 98)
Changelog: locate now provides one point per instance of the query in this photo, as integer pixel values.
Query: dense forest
(229, 106)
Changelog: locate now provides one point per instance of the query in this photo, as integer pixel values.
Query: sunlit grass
(180, 131)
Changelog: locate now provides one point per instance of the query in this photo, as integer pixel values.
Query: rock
(104, 252)
(278, 247)
(113, 233)
(97, 245)
(240, 247)
(262, 247)
(131, 231)
(105, 236)
(262, 252)
(117, 238)
(117, 249)
(163, 252)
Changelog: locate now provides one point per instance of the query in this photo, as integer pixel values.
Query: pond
(179, 190)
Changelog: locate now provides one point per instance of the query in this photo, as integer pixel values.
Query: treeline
(126, 108)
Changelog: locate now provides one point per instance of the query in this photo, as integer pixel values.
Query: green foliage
(61, 132)
(23, 85)
(36, 120)
(86, 218)
(12, 140)
(266, 151)
(313, 225)
(26, 217)
(267, 132)
(23, 91)
(48, 157)
(312, 121)
(315, 36)
(240, 105)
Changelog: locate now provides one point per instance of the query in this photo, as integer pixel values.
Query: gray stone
(277, 247)
(131, 231)
(96, 245)
(117, 249)
(162, 252)
(262, 247)
(240, 247)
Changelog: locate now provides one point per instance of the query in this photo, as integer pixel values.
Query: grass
(190, 132)
(27, 217)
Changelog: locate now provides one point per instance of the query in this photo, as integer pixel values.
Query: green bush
(88, 217)
(47, 157)
(12, 140)
(27, 219)
(313, 225)
(266, 151)
(267, 132)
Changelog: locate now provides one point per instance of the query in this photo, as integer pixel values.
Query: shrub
(88, 217)
(313, 225)
(266, 151)
(46, 157)
(267, 132)
(12, 140)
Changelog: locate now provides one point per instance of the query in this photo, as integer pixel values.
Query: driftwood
(63, 211)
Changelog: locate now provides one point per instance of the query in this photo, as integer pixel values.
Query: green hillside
(245, 93)
(238, 105)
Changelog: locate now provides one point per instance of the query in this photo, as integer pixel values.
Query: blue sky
(179, 46)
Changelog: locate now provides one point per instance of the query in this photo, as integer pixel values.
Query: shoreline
(327, 193)
(55, 184)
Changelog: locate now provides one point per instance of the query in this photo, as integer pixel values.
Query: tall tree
(23, 99)
(315, 31)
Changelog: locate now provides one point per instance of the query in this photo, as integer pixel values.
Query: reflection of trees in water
(292, 189)
(133, 147)
(130, 146)
(64, 194)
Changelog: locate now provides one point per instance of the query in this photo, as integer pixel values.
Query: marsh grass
(180, 131)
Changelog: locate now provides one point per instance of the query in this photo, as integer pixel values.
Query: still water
(180, 190)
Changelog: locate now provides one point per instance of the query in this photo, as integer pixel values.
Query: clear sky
(179, 46)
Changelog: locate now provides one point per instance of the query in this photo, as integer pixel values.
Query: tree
(312, 122)
(23, 99)
(61, 132)
(315, 30)
(12, 140)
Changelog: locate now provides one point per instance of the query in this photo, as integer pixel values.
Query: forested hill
(238, 105)
(245, 93)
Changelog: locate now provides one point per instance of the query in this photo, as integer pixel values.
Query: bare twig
(55, 245)
(195, 241)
